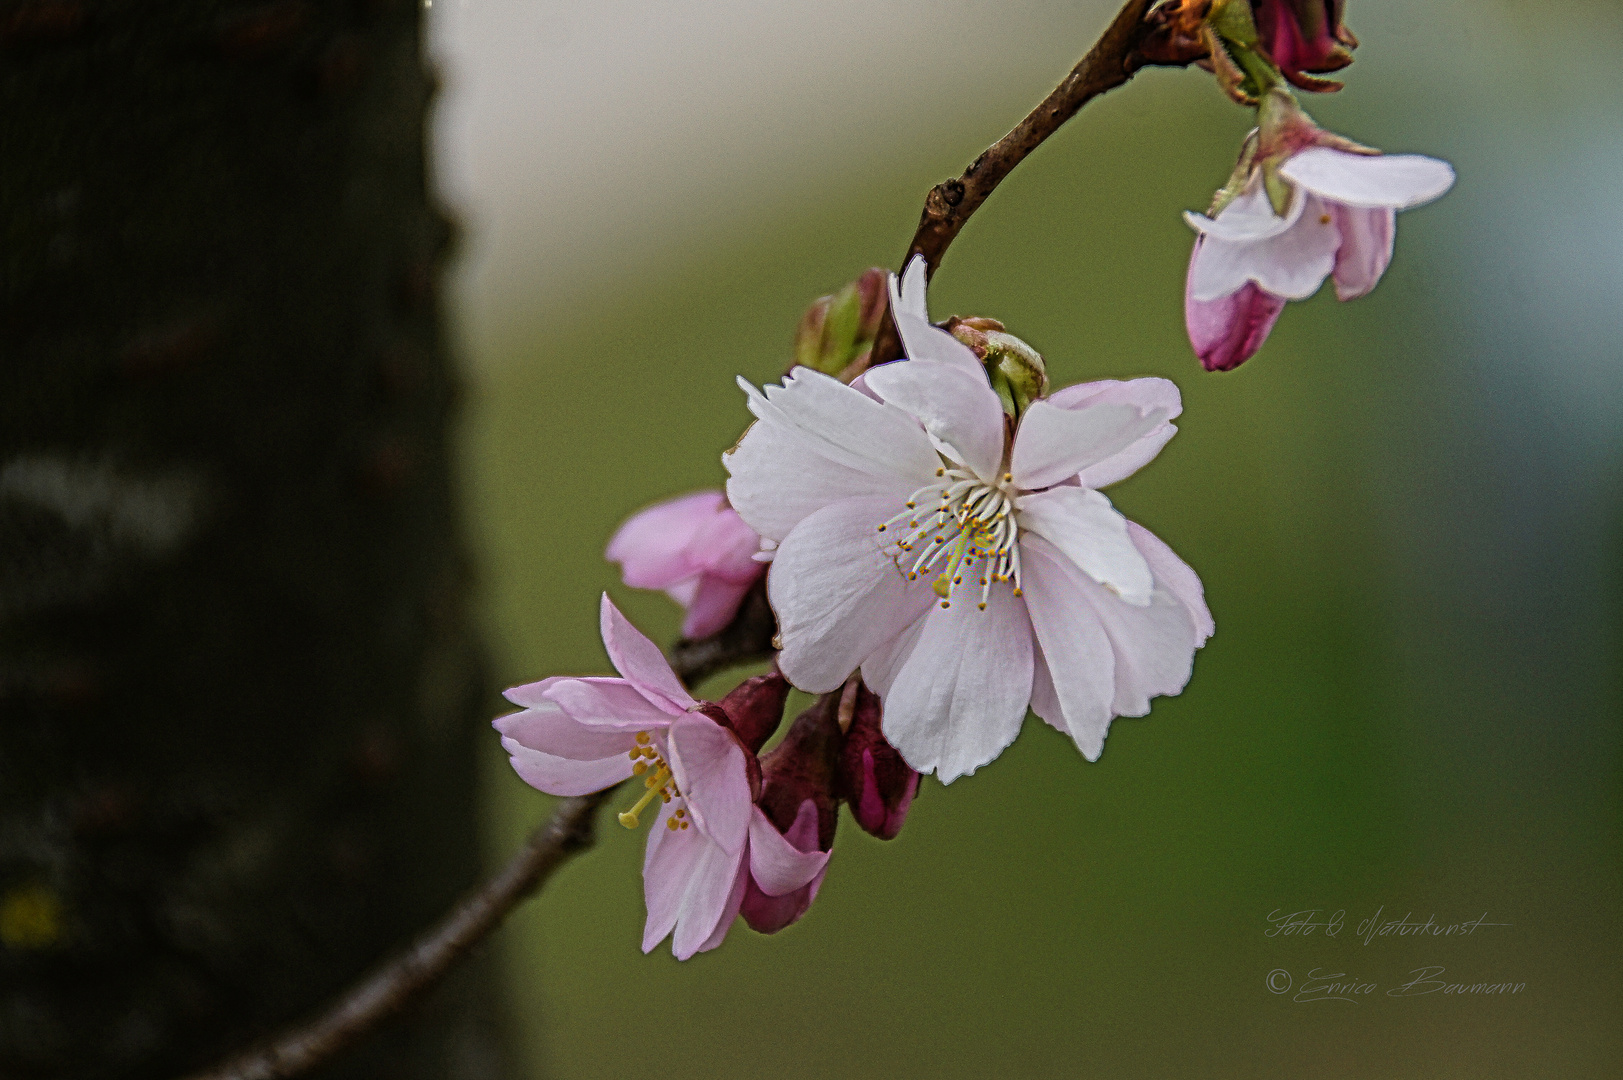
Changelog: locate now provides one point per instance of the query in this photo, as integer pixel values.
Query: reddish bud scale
(754, 709)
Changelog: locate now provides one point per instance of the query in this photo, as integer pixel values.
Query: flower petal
(1055, 443)
(1149, 395)
(921, 340)
(1075, 650)
(962, 694)
(777, 865)
(1091, 533)
(715, 603)
(1398, 181)
(689, 882)
(1176, 577)
(1366, 247)
(1248, 219)
(725, 546)
(1292, 264)
(882, 666)
(550, 730)
(817, 442)
(707, 763)
(564, 776)
(640, 660)
(1228, 331)
(654, 547)
(613, 704)
(1154, 645)
(958, 408)
(837, 595)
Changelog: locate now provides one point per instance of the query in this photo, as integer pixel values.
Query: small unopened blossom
(709, 839)
(1304, 38)
(874, 780)
(1304, 205)
(961, 555)
(697, 550)
(837, 331)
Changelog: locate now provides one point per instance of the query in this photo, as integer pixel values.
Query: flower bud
(1016, 370)
(798, 797)
(873, 778)
(838, 330)
(1301, 36)
(754, 709)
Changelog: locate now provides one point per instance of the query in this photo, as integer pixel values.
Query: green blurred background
(1405, 511)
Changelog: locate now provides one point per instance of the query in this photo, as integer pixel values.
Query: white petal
(1089, 532)
(1247, 219)
(1149, 395)
(920, 340)
(882, 666)
(1154, 645)
(1176, 577)
(958, 408)
(837, 595)
(962, 694)
(1055, 443)
(1075, 651)
(1398, 181)
(1292, 264)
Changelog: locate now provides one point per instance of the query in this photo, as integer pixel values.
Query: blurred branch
(1143, 33)
(570, 831)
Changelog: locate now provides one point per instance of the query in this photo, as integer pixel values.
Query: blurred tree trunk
(239, 701)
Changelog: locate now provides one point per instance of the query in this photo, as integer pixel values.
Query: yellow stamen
(656, 786)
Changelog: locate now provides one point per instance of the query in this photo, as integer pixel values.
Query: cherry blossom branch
(1143, 33)
(570, 831)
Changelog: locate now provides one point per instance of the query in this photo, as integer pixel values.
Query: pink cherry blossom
(575, 736)
(698, 550)
(1340, 222)
(968, 574)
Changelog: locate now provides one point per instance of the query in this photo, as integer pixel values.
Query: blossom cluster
(933, 537)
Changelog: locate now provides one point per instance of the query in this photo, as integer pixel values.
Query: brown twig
(1136, 38)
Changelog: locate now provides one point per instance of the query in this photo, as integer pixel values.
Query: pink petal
(1397, 181)
(961, 695)
(1089, 532)
(1366, 248)
(1149, 395)
(1228, 331)
(689, 884)
(837, 595)
(1076, 655)
(550, 730)
(1176, 577)
(767, 913)
(781, 863)
(725, 547)
(612, 704)
(531, 694)
(1154, 646)
(958, 408)
(708, 766)
(715, 603)
(563, 776)
(1056, 443)
(1248, 219)
(729, 913)
(640, 660)
(817, 442)
(655, 547)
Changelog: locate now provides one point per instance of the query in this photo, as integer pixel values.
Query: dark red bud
(755, 709)
(798, 797)
(1302, 36)
(873, 778)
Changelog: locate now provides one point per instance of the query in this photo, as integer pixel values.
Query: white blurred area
(571, 136)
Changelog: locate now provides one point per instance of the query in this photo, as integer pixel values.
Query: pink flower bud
(697, 550)
(798, 797)
(874, 779)
(1302, 36)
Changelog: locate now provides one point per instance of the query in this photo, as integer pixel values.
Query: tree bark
(239, 697)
